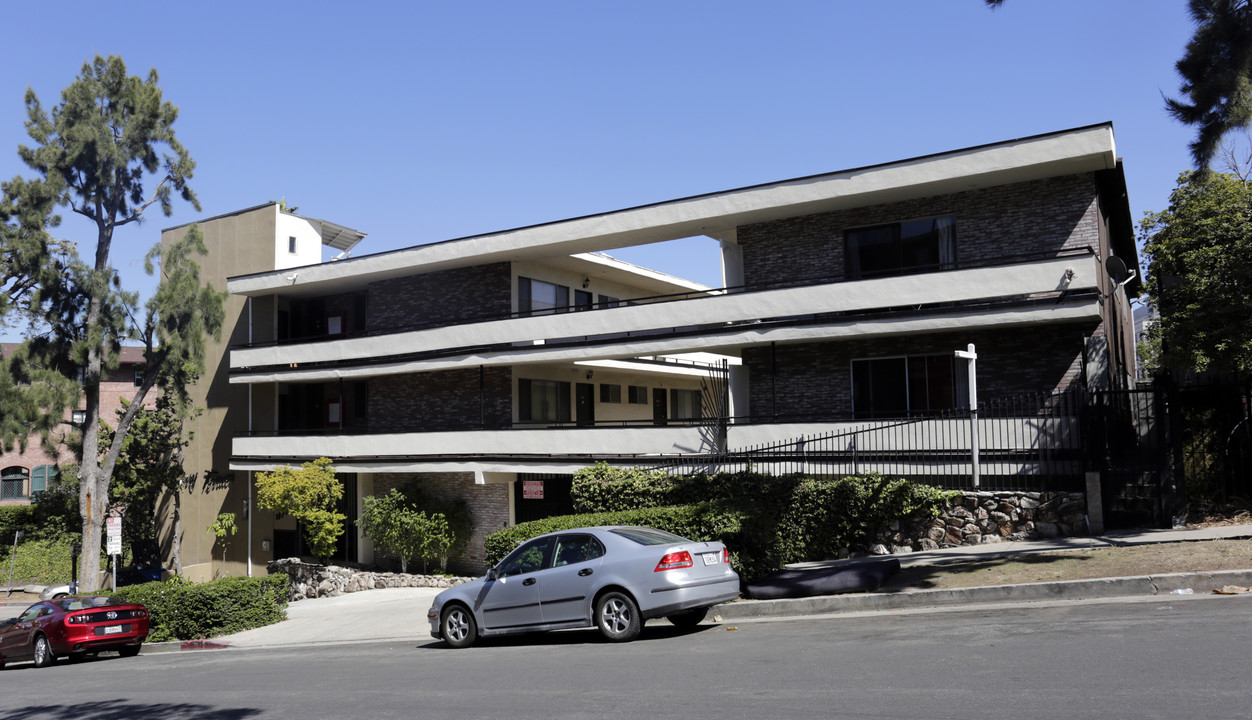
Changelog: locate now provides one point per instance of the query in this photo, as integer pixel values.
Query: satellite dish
(1116, 269)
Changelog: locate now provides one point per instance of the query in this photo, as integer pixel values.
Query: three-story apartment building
(488, 368)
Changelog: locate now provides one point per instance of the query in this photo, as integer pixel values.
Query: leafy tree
(224, 528)
(93, 153)
(393, 524)
(1216, 71)
(149, 466)
(1199, 279)
(309, 494)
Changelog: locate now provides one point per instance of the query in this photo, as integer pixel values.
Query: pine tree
(93, 153)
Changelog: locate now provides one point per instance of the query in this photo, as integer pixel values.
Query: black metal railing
(1029, 443)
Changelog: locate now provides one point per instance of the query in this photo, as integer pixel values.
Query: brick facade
(814, 380)
(1041, 216)
(443, 400)
(488, 504)
(115, 385)
(444, 298)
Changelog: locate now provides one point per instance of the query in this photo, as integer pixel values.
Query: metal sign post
(972, 357)
(113, 524)
(12, 559)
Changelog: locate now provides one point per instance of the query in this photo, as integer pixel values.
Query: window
(901, 248)
(291, 244)
(334, 324)
(536, 297)
(333, 416)
(638, 395)
(40, 477)
(543, 401)
(582, 300)
(527, 558)
(608, 301)
(610, 393)
(574, 549)
(138, 375)
(684, 404)
(902, 386)
(13, 483)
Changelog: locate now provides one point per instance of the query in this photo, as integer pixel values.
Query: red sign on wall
(532, 489)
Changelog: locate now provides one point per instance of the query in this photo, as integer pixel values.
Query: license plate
(711, 558)
(112, 629)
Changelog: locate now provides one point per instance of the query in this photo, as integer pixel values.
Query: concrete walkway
(400, 613)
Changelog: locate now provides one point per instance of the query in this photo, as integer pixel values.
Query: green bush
(779, 520)
(38, 562)
(182, 610)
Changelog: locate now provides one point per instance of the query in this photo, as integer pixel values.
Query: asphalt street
(1171, 657)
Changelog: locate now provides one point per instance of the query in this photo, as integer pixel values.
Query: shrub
(780, 520)
(182, 610)
(39, 562)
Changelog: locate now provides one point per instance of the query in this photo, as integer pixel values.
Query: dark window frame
(637, 395)
(525, 401)
(610, 394)
(906, 385)
(898, 246)
(526, 297)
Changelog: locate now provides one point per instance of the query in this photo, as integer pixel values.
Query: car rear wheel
(129, 650)
(43, 652)
(458, 627)
(617, 617)
(690, 619)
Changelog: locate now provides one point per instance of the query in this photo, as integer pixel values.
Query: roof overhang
(717, 215)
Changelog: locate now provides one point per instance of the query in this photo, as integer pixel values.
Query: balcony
(1052, 289)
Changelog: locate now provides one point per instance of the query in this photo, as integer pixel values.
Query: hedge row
(765, 521)
(181, 610)
(38, 562)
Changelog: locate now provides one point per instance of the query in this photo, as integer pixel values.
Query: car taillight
(726, 555)
(76, 619)
(673, 561)
(139, 613)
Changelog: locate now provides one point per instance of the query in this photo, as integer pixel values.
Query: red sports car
(73, 626)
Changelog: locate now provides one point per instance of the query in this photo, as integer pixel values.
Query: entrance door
(585, 403)
(660, 406)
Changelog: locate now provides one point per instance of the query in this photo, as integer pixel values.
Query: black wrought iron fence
(1029, 443)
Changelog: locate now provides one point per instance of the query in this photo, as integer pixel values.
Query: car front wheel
(617, 616)
(458, 627)
(43, 652)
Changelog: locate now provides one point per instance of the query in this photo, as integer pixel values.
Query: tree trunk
(176, 540)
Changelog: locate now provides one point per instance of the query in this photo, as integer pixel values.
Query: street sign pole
(972, 356)
(12, 559)
(113, 524)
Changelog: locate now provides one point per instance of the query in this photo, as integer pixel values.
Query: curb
(1199, 582)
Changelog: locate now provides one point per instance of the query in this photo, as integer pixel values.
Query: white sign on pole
(113, 526)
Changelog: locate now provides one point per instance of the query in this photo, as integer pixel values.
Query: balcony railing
(797, 282)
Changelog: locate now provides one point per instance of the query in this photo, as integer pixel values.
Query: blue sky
(421, 121)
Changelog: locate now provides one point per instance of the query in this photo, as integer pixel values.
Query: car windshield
(649, 536)
(84, 603)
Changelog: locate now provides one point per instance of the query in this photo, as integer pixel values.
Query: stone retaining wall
(977, 518)
(313, 581)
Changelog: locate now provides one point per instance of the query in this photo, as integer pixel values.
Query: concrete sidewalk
(400, 613)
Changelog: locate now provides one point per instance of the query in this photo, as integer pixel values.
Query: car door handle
(528, 581)
(585, 572)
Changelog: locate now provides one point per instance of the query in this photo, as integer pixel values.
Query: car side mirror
(491, 574)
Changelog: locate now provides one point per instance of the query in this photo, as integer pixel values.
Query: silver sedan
(612, 578)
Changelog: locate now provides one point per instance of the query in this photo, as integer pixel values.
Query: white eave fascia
(1086, 149)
